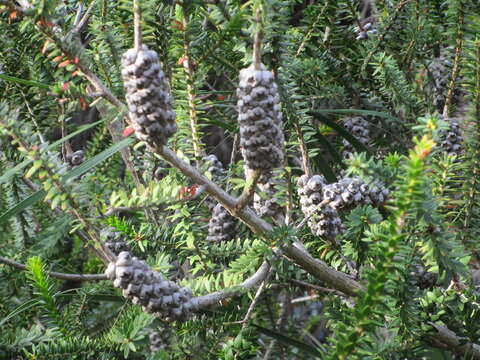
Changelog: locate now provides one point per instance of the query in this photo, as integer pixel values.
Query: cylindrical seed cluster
(260, 119)
(221, 226)
(451, 140)
(323, 220)
(216, 169)
(365, 32)
(114, 241)
(322, 202)
(268, 203)
(76, 158)
(439, 71)
(351, 192)
(149, 289)
(359, 128)
(214, 166)
(148, 96)
(159, 340)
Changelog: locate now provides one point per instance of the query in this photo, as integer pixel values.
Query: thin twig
(190, 74)
(255, 300)
(80, 25)
(78, 15)
(63, 276)
(280, 324)
(303, 148)
(446, 339)
(456, 62)
(257, 41)
(396, 13)
(252, 177)
(137, 24)
(316, 287)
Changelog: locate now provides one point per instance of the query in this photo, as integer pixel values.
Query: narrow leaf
(288, 340)
(79, 170)
(24, 82)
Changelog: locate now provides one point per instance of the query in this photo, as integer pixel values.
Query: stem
(257, 41)
(296, 252)
(255, 300)
(62, 276)
(456, 63)
(137, 24)
(252, 176)
(250, 283)
(303, 148)
(188, 66)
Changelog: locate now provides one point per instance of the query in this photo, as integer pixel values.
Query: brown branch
(255, 300)
(257, 41)
(448, 340)
(137, 23)
(215, 298)
(296, 252)
(62, 276)
(190, 75)
(303, 148)
(456, 62)
(252, 177)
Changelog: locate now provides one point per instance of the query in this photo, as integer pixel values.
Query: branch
(62, 276)
(257, 41)
(190, 75)
(255, 300)
(252, 282)
(296, 252)
(137, 23)
(82, 22)
(252, 176)
(446, 338)
(456, 62)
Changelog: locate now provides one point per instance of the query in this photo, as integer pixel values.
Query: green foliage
(415, 255)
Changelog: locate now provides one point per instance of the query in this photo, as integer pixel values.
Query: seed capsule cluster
(439, 71)
(216, 169)
(159, 340)
(214, 166)
(114, 241)
(365, 32)
(268, 204)
(323, 220)
(149, 289)
(148, 96)
(451, 140)
(221, 226)
(260, 119)
(351, 192)
(76, 158)
(322, 202)
(358, 127)
(148, 166)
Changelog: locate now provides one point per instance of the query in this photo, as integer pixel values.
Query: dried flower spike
(148, 96)
(260, 119)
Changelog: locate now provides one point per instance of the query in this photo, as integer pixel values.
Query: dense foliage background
(399, 281)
